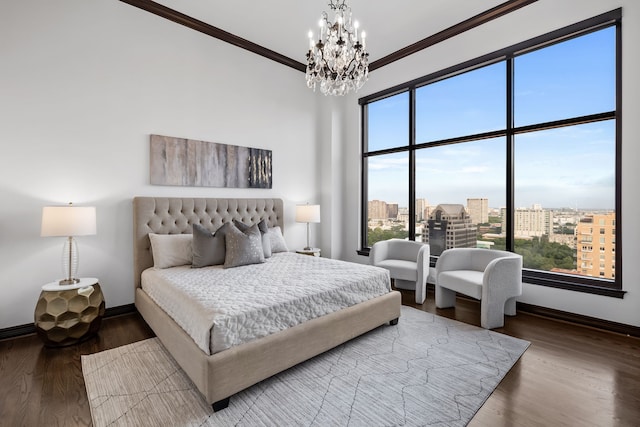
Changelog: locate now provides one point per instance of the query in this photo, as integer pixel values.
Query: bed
(221, 374)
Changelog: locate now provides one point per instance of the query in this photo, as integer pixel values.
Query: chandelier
(338, 62)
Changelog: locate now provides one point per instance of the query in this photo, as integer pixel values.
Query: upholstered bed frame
(223, 374)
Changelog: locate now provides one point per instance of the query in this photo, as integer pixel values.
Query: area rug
(425, 371)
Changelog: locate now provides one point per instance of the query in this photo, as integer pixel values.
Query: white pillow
(171, 250)
(277, 240)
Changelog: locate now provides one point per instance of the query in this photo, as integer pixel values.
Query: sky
(563, 167)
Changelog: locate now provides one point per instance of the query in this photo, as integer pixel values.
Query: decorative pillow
(208, 248)
(171, 250)
(264, 228)
(243, 248)
(277, 240)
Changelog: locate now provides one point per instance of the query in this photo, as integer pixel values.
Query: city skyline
(496, 209)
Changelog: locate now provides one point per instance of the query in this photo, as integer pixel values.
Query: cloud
(475, 169)
(387, 163)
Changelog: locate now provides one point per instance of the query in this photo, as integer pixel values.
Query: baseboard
(120, 310)
(29, 328)
(17, 331)
(593, 322)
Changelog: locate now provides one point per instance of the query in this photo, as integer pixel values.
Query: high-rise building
(596, 245)
(534, 222)
(422, 206)
(478, 210)
(377, 209)
(426, 212)
(450, 226)
(402, 215)
(392, 210)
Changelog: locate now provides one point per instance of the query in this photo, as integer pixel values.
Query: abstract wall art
(192, 163)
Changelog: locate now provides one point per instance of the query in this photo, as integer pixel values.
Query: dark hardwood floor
(42, 386)
(570, 376)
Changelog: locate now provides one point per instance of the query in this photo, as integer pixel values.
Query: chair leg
(510, 307)
(445, 298)
(421, 292)
(492, 314)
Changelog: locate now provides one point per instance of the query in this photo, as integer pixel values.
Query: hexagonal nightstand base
(69, 316)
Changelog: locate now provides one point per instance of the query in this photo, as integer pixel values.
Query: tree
(540, 254)
(378, 234)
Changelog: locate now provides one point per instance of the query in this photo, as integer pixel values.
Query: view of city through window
(562, 165)
(565, 240)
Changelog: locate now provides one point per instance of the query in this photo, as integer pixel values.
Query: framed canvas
(192, 163)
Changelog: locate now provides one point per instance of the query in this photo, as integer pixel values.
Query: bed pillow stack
(204, 248)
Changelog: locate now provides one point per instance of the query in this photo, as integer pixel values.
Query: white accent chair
(407, 262)
(492, 276)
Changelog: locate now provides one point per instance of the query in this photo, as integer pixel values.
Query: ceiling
(283, 25)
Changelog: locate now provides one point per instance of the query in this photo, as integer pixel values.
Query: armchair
(407, 262)
(492, 276)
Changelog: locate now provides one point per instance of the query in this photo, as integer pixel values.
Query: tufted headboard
(176, 215)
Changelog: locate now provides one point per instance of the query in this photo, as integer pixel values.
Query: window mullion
(510, 141)
(364, 208)
(412, 164)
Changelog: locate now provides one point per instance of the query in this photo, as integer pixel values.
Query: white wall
(82, 85)
(531, 21)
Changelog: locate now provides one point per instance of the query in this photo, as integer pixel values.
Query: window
(387, 123)
(517, 150)
(461, 173)
(387, 206)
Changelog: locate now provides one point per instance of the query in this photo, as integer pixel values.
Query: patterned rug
(425, 371)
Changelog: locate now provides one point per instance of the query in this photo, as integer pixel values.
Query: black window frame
(612, 288)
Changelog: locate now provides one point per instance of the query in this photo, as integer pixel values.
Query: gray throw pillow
(264, 228)
(243, 248)
(277, 240)
(208, 247)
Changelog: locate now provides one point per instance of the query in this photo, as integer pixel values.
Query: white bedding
(221, 308)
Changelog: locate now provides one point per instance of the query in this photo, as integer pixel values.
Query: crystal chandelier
(338, 61)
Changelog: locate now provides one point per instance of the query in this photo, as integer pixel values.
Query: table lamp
(68, 221)
(308, 213)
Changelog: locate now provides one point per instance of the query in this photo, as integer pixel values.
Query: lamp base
(307, 248)
(70, 281)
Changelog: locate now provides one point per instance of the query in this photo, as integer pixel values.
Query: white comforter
(220, 308)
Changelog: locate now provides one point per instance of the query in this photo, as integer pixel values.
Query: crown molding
(475, 21)
(195, 24)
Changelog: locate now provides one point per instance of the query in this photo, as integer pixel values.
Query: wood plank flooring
(570, 376)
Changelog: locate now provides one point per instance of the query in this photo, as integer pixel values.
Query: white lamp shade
(68, 221)
(307, 213)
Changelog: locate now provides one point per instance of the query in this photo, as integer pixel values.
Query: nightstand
(68, 314)
(312, 251)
